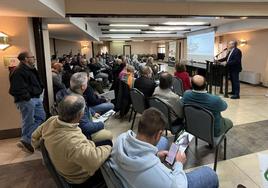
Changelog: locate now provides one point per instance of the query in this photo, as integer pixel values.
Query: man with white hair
(93, 130)
(233, 59)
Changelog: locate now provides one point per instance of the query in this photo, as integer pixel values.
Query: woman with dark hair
(183, 75)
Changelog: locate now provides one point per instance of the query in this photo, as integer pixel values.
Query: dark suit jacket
(145, 85)
(234, 63)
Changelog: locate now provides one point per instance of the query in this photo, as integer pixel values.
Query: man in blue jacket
(213, 103)
(137, 162)
(234, 65)
(93, 130)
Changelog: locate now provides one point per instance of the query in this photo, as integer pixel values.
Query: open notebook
(104, 117)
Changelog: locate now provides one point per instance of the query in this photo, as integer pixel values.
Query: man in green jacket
(75, 158)
(213, 103)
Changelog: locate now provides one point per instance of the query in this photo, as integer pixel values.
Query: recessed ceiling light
(125, 30)
(118, 41)
(137, 40)
(243, 18)
(166, 28)
(185, 23)
(158, 32)
(129, 25)
(119, 37)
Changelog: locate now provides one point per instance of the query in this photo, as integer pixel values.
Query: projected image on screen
(201, 47)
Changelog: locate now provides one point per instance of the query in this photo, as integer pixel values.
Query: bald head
(165, 80)
(232, 44)
(198, 83)
(71, 108)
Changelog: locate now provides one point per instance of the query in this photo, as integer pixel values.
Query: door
(127, 50)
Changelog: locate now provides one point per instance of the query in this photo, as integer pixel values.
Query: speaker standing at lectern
(233, 60)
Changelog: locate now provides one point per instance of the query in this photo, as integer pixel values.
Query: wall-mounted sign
(10, 61)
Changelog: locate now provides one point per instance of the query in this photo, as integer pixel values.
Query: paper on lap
(104, 117)
(108, 95)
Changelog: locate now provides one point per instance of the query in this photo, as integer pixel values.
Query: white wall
(146, 47)
(21, 38)
(255, 56)
(65, 47)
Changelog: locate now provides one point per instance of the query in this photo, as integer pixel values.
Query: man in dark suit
(233, 60)
(145, 83)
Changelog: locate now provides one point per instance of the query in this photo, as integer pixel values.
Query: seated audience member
(183, 75)
(96, 69)
(145, 83)
(127, 75)
(154, 66)
(57, 78)
(164, 92)
(93, 130)
(117, 68)
(98, 104)
(75, 158)
(213, 103)
(138, 163)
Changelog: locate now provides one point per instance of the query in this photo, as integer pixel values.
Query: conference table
(215, 74)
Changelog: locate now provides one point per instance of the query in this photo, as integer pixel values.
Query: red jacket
(184, 76)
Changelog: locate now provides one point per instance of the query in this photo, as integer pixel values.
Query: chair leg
(216, 158)
(130, 115)
(196, 141)
(133, 120)
(225, 146)
(176, 136)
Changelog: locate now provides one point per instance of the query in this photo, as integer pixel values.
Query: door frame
(125, 50)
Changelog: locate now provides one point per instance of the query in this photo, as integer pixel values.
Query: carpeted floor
(241, 140)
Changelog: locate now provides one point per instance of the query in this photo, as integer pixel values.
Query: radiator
(250, 77)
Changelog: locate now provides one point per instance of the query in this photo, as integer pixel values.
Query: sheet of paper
(108, 95)
(104, 117)
(263, 161)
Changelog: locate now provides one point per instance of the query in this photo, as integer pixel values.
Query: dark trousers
(97, 180)
(234, 76)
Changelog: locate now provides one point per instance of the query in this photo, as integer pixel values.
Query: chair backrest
(60, 181)
(161, 106)
(111, 180)
(199, 122)
(177, 86)
(138, 100)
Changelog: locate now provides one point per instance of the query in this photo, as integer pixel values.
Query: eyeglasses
(30, 57)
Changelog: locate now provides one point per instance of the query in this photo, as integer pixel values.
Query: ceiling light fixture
(137, 40)
(166, 28)
(125, 30)
(186, 23)
(3, 41)
(158, 32)
(120, 37)
(117, 41)
(128, 25)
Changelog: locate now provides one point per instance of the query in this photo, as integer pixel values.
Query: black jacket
(91, 98)
(25, 83)
(145, 85)
(234, 63)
